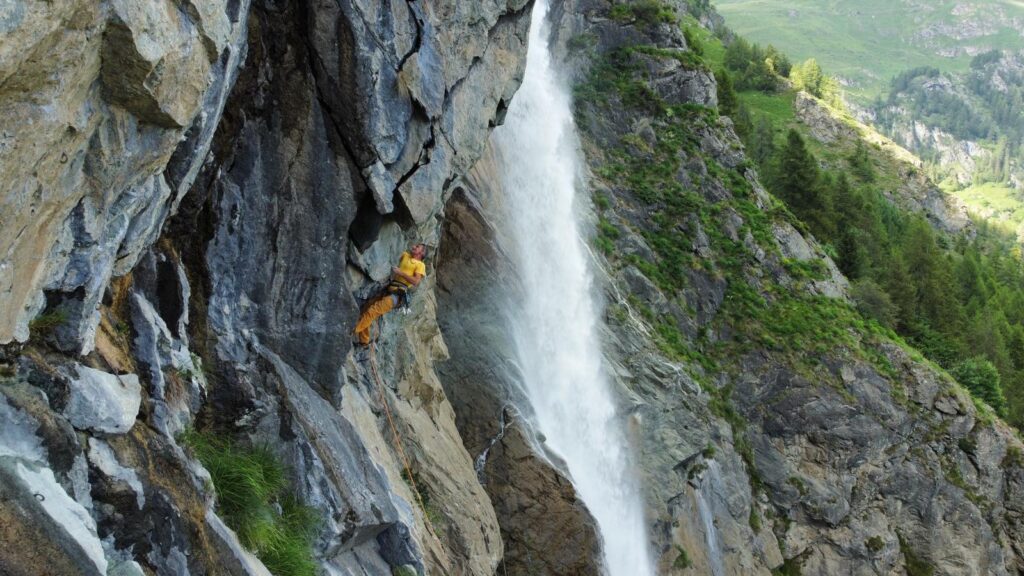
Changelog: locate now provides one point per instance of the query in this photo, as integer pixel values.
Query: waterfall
(555, 324)
(708, 519)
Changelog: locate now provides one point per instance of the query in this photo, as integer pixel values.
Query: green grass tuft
(682, 561)
(47, 322)
(252, 497)
(874, 544)
(915, 565)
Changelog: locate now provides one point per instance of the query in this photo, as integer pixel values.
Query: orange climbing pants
(380, 307)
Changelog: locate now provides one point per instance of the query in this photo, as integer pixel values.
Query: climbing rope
(398, 441)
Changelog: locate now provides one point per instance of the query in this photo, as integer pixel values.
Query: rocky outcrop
(915, 191)
(342, 135)
(116, 103)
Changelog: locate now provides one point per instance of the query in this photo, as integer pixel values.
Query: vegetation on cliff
(254, 499)
(944, 79)
(828, 408)
(957, 298)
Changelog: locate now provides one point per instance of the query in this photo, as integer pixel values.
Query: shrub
(874, 302)
(693, 41)
(682, 561)
(915, 566)
(754, 519)
(647, 12)
(1014, 457)
(980, 377)
(251, 486)
(874, 544)
(791, 567)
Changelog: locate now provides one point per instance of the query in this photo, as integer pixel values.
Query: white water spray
(556, 326)
(711, 478)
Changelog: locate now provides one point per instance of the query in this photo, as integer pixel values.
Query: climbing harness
(402, 292)
(398, 440)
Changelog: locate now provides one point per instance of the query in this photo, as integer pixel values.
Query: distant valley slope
(944, 79)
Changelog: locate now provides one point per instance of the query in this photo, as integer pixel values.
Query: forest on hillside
(986, 103)
(958, 298)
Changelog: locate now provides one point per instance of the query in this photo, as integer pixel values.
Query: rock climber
(404, 277)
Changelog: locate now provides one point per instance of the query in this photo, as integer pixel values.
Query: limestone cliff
(197, 195)
(313, 140)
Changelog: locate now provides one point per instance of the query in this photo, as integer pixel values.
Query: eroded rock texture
(102, 99)
(545, 527)
(198, 195)
(314, 141)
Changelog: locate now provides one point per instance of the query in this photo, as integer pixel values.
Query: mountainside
(969, 127)
(708, 265)
(868, 43)
(942, 79)
(200, 194)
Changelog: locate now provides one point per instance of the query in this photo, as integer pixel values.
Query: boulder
(102, 402)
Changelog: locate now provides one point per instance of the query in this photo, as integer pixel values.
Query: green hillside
(956, 298)
(868, 42)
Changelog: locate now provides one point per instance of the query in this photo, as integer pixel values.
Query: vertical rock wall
(293, 197)
(293, 150)
(110, 106)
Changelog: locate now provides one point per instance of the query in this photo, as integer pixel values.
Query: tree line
(958, 299)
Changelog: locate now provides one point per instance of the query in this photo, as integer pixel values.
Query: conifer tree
(982, 379)
(727, 100)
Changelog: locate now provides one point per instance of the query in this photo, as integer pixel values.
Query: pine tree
(738, 54)
(982, 379)
(900, 287)
(799, 175)
(761, 144)
(808, 76)
(778, 62)
(860, 163)
(728, 103)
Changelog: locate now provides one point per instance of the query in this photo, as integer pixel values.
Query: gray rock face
(176, 384)
(105, 94)
(344, 109)
(244, 562)
(337, 475)
(102, 402)
(352, 119)
(44, 528)
(881, 470)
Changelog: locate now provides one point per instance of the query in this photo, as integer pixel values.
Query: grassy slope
(780, 111)
(995, 202)
(870, 41)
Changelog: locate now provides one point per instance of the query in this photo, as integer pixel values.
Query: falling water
(556, 323)
(708, 518)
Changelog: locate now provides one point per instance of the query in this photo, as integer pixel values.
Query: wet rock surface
(546, 529)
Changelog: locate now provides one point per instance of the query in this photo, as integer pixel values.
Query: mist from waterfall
(556, 322)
